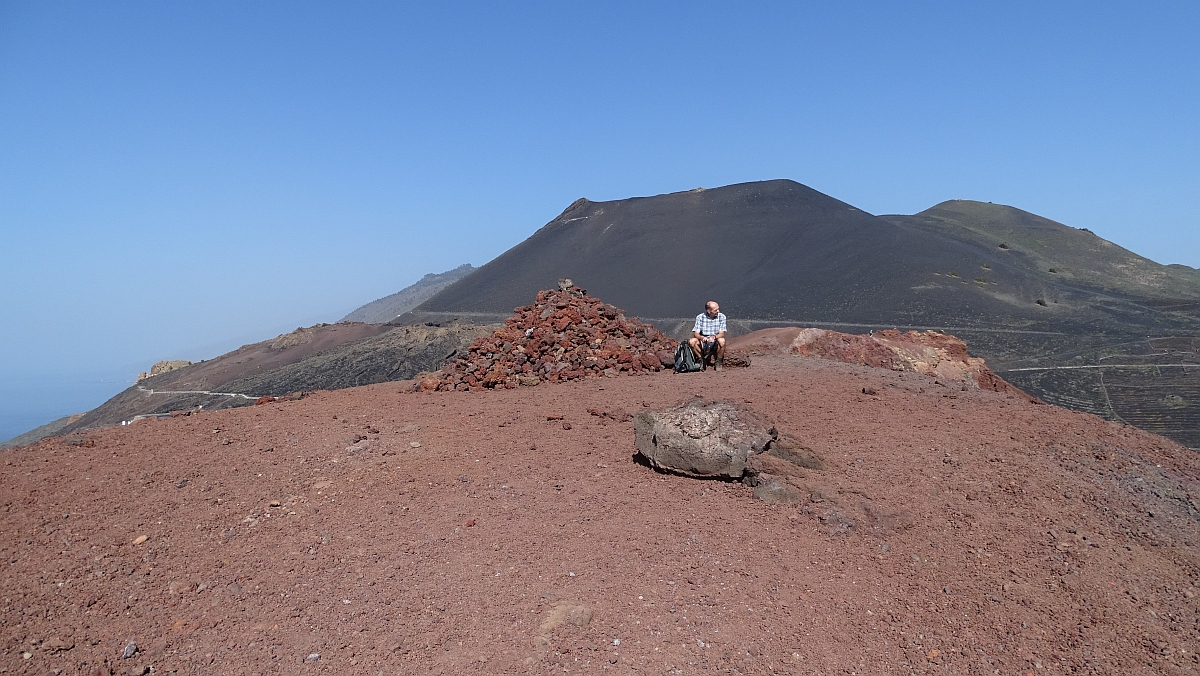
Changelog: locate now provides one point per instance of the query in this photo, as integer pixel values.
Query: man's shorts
(708, 349)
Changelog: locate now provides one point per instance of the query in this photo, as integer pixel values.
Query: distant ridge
(389, 307)
(1055, 252)
(321, 357)
(48, 430)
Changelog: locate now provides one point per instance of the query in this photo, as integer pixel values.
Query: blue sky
(177, 179)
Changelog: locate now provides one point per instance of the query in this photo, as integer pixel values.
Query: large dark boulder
(702, 438)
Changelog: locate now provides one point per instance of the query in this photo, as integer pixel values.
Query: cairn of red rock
(565, 335)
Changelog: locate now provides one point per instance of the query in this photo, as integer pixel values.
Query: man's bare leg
(695, 343)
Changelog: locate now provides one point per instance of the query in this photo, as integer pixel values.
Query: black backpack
(686, 361)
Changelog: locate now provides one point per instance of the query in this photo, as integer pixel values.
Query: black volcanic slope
(778, 250)
(326, 356)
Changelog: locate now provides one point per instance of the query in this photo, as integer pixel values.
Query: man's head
(712, 309)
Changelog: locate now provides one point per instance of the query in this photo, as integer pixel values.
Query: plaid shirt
(709, 326)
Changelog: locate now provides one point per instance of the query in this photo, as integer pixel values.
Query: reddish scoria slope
(964, 532)
(926, 352)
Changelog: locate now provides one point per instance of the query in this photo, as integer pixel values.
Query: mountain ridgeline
(1057, 253)
(1058, 311)
(389, 307)
(780, 251)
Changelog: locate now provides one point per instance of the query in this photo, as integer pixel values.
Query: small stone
(774, 490)
(415, 444)
(140, 539)
(276, 503)
(56, 644)
(129, 651)
(312, 657)
(138, 671)
(566, 426)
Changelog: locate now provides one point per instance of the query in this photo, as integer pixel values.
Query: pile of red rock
(565, 335)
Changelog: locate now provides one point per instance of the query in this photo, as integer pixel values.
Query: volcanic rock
(164, 366)
(565, 335)
(702, 439)
(926, 352)
(779, 491)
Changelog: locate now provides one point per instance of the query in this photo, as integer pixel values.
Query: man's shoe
(717, 366)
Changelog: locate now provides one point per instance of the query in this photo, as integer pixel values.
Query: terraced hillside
(1152, 383)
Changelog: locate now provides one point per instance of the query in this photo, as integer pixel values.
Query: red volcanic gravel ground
(393, 532)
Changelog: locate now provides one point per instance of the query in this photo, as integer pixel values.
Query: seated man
(708, 335)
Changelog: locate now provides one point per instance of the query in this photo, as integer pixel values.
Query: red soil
(954, 531)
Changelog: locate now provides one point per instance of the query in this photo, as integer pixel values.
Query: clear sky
(177, 179)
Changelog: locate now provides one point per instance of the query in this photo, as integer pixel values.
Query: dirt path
(215, 394)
